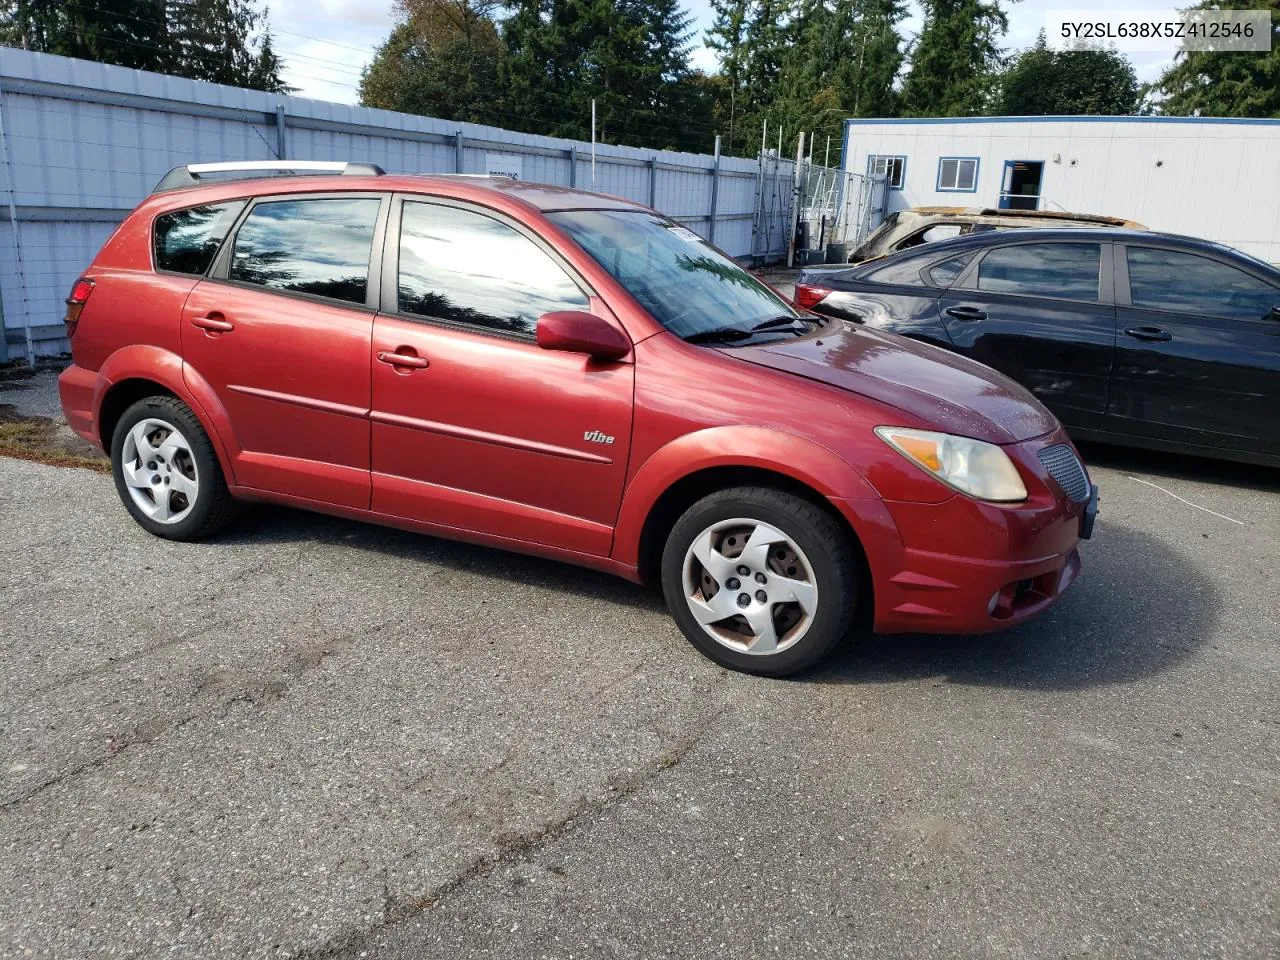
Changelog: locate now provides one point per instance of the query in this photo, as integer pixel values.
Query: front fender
(764, 448)
(166, 368)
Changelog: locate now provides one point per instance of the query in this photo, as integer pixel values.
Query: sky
(325, 43)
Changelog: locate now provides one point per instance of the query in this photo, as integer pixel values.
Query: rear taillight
(808, 296)
(80, 294)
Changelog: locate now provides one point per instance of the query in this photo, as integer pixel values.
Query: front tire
(167, 473)
(761, 580)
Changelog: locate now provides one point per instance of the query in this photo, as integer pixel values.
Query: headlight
(981, 470)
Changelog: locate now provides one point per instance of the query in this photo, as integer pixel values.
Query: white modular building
(1210, 177)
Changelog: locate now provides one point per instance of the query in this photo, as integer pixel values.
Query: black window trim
(218, 272)
(235, 225)
(389, 304)
(967, 281)
(1124, 293)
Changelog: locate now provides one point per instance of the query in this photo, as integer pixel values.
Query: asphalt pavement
(315, 738)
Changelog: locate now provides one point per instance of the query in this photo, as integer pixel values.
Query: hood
(949, 392)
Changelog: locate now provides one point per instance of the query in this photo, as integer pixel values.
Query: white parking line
(1221, 516)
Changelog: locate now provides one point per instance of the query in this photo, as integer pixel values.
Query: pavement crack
(511, 847)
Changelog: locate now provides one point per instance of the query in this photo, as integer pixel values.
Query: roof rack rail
(194, 173)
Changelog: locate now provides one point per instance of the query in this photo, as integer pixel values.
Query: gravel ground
(316, 738)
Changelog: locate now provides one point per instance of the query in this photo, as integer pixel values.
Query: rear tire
(167, 473)
(761, 580)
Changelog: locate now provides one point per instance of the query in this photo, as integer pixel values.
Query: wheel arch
(688, 469)
(140, 371)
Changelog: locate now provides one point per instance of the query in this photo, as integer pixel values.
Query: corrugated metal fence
(82, 143)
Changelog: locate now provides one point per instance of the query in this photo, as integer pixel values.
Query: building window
(958, 175)
(893, 169)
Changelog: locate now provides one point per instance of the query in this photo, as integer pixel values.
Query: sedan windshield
(688, 286)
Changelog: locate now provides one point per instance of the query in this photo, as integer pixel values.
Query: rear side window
(1065, 271)
(186, 241)
(319, 247)
(944, 274)
(1185, 283)
(466, 267)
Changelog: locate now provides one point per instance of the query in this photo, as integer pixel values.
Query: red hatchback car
(569, 375)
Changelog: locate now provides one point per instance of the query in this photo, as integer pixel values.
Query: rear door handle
(1148, 333)
(214, 322)
(966, 313)
(411, 360)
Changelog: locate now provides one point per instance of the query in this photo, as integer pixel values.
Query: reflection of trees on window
(318, 247)
(186, 241)
(272, 269)
(465, 267)
(432, 303)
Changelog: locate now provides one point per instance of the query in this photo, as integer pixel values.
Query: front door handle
(214, 322)
(1148, 333)
(966, 313)
(408, 360)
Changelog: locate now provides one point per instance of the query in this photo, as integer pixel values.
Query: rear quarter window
(897, 271)
(944, 274)
(186, 241)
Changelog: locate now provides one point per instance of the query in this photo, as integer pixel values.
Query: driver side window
(1184, 283)
(465, 267)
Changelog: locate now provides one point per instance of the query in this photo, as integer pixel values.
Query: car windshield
(686, 284)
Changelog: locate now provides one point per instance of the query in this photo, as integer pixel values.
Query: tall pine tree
(955, 59)
(1225, 84)
(225, 41)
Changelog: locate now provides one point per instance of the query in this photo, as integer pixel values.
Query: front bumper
(967, 566)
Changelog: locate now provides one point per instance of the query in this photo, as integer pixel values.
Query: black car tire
(209, 510)
(822, 553)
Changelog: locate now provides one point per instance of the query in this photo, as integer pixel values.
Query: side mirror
(579, 332)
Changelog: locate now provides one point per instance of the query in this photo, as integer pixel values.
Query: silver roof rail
(195, 173)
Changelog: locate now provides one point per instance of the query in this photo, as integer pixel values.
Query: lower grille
(1065, 467)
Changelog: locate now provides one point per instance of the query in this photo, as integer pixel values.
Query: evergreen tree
(728, 36)
(1225, 84)
(955, 60)
(201, 39)
(128, 33)
(630, 56)
(1043, 82)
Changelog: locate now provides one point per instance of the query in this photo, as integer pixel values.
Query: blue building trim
(883, 121)
(977, 168)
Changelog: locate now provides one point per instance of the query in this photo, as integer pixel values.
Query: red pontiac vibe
(569, 375)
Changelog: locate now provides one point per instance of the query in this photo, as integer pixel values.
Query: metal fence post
(653, 181)
(457, 151)
(715, 192)
(573, 166)
(796, 198)
(17, 245)
(281, 145)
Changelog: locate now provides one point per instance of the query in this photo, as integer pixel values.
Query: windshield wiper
(719, 335)
(778, 322)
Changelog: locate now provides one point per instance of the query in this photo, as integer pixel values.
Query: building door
(1020, 188)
